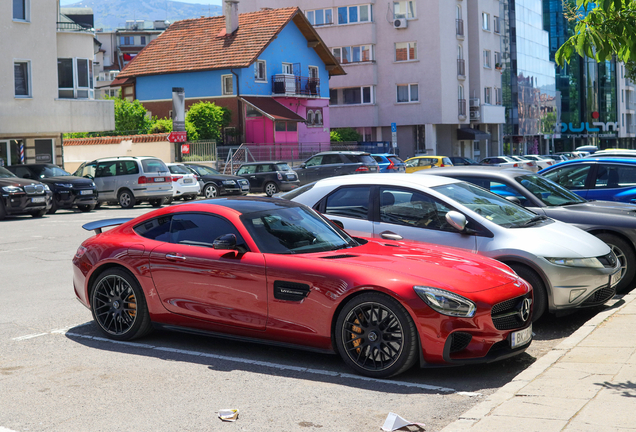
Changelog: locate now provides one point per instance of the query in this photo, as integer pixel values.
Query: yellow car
(423, 162)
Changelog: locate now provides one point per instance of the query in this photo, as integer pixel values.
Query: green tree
(131, 118)
(208, 120)
(344, 135)
(603, 28)
(164, 125)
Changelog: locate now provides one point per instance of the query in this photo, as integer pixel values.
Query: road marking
(23, 249)
(31, 336)
(60, 331)
(6, 430)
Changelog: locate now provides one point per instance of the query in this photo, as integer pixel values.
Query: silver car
(567, 267)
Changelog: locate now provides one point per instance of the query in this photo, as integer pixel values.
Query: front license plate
(38, 199)
(520, 337)
(245, 187)
(615, 278)
(86, 192)
(159, 179)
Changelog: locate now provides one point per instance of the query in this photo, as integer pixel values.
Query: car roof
(477, 171)
(264, 162)
(388, 180)
(622, 160)
(351, 152)
(124, 158)
(383, 154)
(246, 204)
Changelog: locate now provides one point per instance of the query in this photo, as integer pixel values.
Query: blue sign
(393, 127)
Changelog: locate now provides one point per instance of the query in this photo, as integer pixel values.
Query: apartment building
(411, 63)
(48, 88)
(626, 88)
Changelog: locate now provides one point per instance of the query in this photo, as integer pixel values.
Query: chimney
(230, 11)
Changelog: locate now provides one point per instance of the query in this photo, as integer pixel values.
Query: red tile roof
(161, 137)
(200, 44)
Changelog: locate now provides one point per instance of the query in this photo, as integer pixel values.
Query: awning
(472, 134)
(271, 109)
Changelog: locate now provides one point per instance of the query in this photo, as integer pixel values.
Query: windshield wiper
(534, 220)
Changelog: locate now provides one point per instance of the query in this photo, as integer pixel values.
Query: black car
(214, 184)
(68, 190)
(22, 196)
(612, 222)
(269, 177)
(335, 163)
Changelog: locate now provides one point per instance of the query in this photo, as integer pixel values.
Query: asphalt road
(57, 373)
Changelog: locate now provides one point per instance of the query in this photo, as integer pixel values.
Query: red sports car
(276, 271)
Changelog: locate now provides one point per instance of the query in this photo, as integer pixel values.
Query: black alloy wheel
(626, 257)
(376, 336)
(118, 305)
(54, 206)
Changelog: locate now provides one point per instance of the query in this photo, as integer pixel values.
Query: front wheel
(210, 191)
(376, 336)
(38, 214)
(271, 189)
(626, 258)
(119, 306)
(53, 208)
(540, 294)
(85, 208)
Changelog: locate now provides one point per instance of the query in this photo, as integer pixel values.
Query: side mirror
(226, 241)
(338, 224)
(88, 176)
(514, 199)
(456, 220)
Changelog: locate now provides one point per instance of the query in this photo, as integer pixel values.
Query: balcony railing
(291, 85)
(461, 67)
(461, 106)
(459, 27)
(71, 26)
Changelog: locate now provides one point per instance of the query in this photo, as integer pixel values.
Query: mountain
(112, 14)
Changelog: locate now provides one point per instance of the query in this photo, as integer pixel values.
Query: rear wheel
(271, 189)
(156, 202)
(626, 257)
(119, 306)
(126, 199)
(376, 336)
(540, 294)
(210, 191)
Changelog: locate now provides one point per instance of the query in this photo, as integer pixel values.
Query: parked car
(22, 196)
(269, 177)
(129, 180)
(609, 179)
(541, 162)
(567, 267)
(569, 155)
(460, 161)
(68, 190)
(417, 163)
(629, 153)
(557, 158)
(525, 163)
(277, 271)
(612, 222)
(389, 162)
(214, 184)
(502, 161)
(335, 163)
(185, 184)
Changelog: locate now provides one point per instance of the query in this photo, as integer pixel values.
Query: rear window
(283, 167)
(179, 169)
(296, 192)
(154, 165)
(365, 159)
(447, 161)
(379, 159)
(396, 160)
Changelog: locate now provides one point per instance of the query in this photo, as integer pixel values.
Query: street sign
(394, 135)
(175, 137)
(394, 127)
(185, 148)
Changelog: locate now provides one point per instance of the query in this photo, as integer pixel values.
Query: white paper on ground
(394, 422)
(228, 414)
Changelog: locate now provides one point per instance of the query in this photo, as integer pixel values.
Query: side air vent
(339, 256)
(291, 291)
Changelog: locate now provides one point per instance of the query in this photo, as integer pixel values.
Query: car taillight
(142, 180)
(516, 165)
(279, 176)
(391, 165)
(363, 168)
(442, 165)
(176, 178)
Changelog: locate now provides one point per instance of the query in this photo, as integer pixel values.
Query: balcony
(73, 27)
(461, 68)
(294, 85)
(459, 28)
(461, 108)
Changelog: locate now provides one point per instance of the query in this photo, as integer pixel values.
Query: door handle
(390, 235)
(252, 177)
(175, 257)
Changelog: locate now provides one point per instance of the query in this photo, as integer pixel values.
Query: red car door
(197, 281)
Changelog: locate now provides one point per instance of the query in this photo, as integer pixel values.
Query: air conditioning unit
(400, 23)
(474, 102)
(475, 115)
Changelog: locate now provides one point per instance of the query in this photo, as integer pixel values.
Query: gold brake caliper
(132, 304)
(358, 340)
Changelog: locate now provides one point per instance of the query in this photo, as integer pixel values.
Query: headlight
(12, 189)
(229, 182)
(446, 302)
(64, 185)
(48, 189)
(93, 184)
(576, 262)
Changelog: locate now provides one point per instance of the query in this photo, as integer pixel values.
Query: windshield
(548, 192)
(294, 230)
(178, 169)
(4, 173)
(52, 171)
(203, 170)
(488, 205)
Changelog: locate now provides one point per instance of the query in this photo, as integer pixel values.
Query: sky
(212, 2)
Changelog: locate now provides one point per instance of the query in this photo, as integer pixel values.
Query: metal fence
(199, 151)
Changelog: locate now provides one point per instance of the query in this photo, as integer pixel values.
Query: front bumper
(23, 203)
(67, 198)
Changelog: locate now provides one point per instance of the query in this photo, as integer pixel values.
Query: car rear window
(283, 167)
(396, 160)
(379, 159)
(296, 192)
(154, 165)
(365, 159)
(179, 169)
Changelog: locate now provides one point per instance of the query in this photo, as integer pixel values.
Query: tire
(168, 201)
(382, 354)
(39, 214)
(126, 199)
(119, 306)
(540, 295)
(85, 208)
(626, 256)
(98, 205)
(53, 208)
(210, 191)
(156, 202)
(270, 189)
(3, 212)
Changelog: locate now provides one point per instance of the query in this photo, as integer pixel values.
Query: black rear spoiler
(98, 225)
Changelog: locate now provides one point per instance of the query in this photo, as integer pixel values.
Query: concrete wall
(74, 155)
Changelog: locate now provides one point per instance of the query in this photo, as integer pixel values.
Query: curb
(467, 420)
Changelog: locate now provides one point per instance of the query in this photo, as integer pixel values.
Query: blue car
(608, 179)
(389, 163)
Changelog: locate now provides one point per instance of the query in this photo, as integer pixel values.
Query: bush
(208, 120)
(344, 135)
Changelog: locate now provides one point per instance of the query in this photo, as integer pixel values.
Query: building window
(126, 40)
(260, 70)
(405, 51)
(495, 25)
(351, 96)
(485, 21)
(313, 72)
(288, 68)
(314, 117)
(407, 93)
(487, 58)
(353, 54)
(355, 14)
(497, 96)
(22, 78)
(404, 9)
(142, 40)
(320, 17)
(75, 78)
(498, 63)
(228, 84)
(21, 10)
(487, 93)
(285, 126)
(623, 121)
(461, 102)
(622, 96)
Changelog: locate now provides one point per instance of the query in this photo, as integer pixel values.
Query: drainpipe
(240, 106)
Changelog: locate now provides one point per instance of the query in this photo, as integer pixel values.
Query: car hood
(74, 180)
(604, 207)
(595, 213)
(424, 264)
(16, 181)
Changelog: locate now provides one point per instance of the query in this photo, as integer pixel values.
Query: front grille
(460, 341)
(506, 315)
(609, 260)
(599, 297)
(33, 189)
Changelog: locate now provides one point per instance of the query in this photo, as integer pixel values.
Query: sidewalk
(586, 383)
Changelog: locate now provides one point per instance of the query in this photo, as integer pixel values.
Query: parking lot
(58, 373)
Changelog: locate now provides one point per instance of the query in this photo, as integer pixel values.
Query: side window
(572, 177)
(155, 229)
(331, 159)
(614, 176)
(425, 162)
(264, 168)
(505, 191)
(412, 208)
(314, 161)
(198, 229)
(88, 170)
(246, 169)
(128, 167)
(106, 169)
(350, 202)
